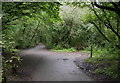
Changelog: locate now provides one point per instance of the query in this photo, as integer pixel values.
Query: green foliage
(24, 24)
(71, 31)
(111, 71)
(63, 28)
(106, 61)
(105, 26)
(21, 18)
(65, 50)
(58, 47)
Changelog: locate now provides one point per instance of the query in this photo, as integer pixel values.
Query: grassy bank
(105, 62)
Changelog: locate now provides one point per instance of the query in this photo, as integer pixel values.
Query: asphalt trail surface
(40, 64)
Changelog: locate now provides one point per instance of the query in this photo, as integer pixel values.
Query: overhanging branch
(116, 8)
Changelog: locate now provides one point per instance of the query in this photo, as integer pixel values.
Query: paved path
(40, 64)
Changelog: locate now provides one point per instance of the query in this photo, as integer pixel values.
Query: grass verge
(64, 50)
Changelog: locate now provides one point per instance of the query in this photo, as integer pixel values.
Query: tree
(22, 27)
(15, 10)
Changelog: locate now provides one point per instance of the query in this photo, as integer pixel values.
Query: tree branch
(116, 9)
(100, 32)
(111, 27)
(107, 24)
(104, 7)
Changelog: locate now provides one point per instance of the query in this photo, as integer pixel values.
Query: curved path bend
(40, 64)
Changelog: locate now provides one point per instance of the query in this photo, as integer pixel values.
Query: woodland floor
(40, 64)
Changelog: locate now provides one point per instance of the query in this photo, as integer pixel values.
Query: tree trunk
(91, 50)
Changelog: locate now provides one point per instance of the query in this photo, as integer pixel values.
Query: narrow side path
(40, 64)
